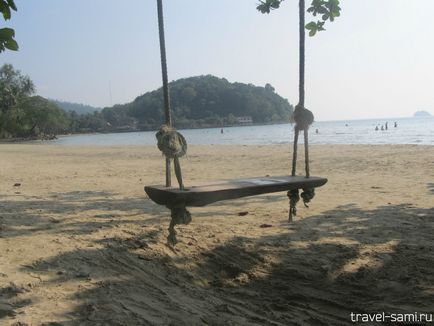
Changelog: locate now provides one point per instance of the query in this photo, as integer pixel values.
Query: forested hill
(203, 101)
(78, 108)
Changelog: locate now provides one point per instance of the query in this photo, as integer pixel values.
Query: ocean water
(409, 131)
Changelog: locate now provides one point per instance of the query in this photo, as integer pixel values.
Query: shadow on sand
(315, 273)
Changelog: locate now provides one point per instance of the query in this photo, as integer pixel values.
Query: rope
(163, 63)
(165, 80)
(180, 215)
(294, 198)
(307, 195)
(170, 142)
(294, 154)
(301, 52)
(173, 145)
(303, 118)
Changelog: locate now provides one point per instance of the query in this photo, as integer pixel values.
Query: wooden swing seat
(229, 189)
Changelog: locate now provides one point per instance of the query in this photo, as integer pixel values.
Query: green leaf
(5, 11)
(266, 6)
(262, 7)
(11, 45)
(275, 4)
(6, 33)
(312, 32)
(311, 25)
(11, 4)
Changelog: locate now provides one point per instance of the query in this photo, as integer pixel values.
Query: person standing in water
(386, 126)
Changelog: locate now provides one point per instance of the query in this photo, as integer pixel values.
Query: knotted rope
(180, 215)
(294, 197)
(303, 119)
(173, 145)
(307, 195)
(170, 142)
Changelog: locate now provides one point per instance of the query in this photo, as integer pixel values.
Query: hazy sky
(376, 60)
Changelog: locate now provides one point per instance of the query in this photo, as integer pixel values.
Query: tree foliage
(23, 115)
(77, 107)
(7, 35)
(205, 101)
(13, 88)
(41, 117)
(326, 9)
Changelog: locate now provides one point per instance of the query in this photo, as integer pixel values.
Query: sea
(417, 130)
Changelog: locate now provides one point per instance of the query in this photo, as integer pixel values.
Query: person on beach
(386, 125)
(382, 127)
(396, 125)
(376, 128)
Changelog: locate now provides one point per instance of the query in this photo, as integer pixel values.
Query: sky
(375, 61)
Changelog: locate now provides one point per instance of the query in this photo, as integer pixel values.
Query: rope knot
(307, 195)
(170, 142)
(180, 215)
(294, 198)
(303, 117)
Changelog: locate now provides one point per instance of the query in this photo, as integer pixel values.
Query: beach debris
(17, 184)
(265, 225)
(244, 213)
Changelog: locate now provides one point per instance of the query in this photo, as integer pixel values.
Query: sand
(81, 244)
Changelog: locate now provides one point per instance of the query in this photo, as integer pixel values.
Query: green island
(197, 102)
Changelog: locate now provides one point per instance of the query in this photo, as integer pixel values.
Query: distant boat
(422, 114)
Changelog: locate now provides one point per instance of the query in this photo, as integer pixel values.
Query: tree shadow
(315, 273)
(74, 213)
(381, 263)
(431, 187)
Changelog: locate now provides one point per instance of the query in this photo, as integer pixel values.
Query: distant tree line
(23, 115)
(204, 101)
(77, 107)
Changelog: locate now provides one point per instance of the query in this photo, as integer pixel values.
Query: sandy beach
(81, 244)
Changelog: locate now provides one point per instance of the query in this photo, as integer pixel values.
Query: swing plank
(202, 195)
